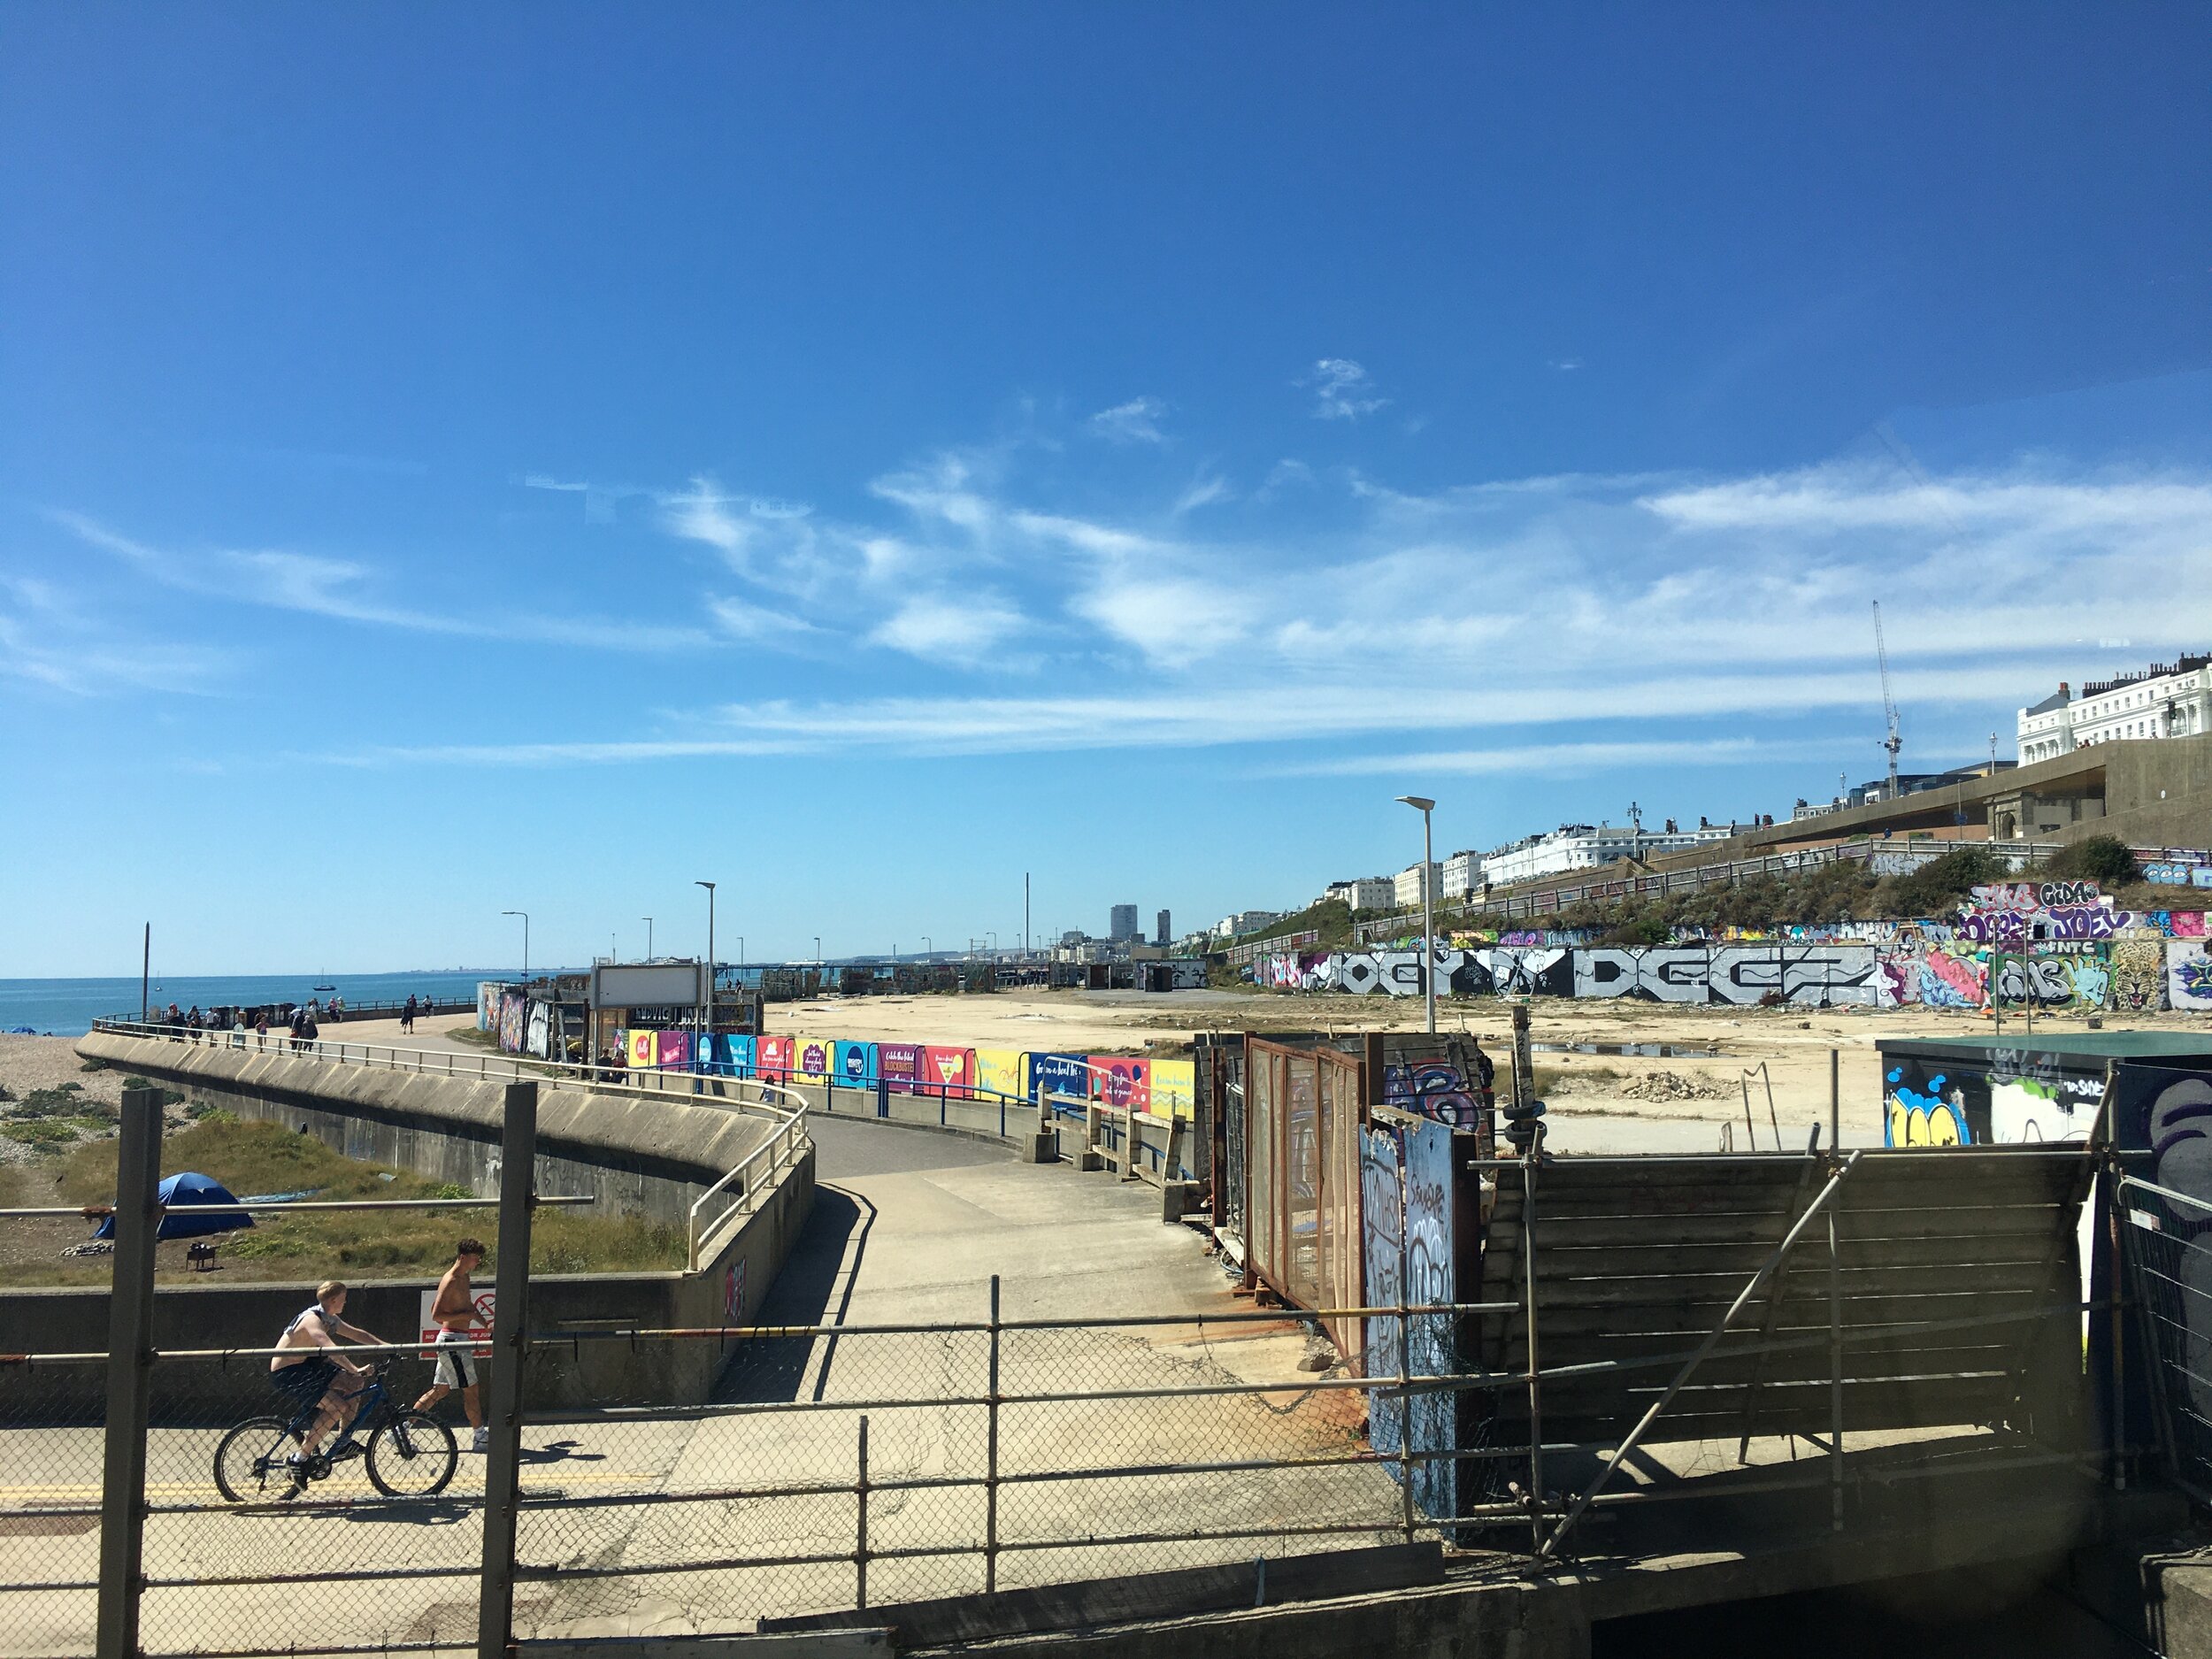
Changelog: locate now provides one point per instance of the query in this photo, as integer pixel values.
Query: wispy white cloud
(1136, 421)
(50, 640)
(1342, 390)
(966, 630)
(1535, 759)
(340, 589)
(1205, 491)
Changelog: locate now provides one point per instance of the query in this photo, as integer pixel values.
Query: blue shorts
(306, 1383)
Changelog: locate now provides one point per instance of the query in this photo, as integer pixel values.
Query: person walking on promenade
(407, 1015)
(453, 1311)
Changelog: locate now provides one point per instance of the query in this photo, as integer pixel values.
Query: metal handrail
(783, 1143)
(450, 1063)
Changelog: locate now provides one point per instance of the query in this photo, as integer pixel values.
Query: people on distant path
(407, 1014)
(261, 1028)
(312, 1372)
(453, 1311)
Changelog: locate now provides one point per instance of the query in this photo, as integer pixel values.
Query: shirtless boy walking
(453, 1311)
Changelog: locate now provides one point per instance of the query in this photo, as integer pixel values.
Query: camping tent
(192, 1206)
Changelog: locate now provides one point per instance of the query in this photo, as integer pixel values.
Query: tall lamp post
(525, 938)
(713, 968)
(1425, 806)
(649, 936)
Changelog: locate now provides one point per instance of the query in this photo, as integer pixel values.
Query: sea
(66, 1007)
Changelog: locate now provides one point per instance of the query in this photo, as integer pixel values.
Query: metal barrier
(2163, 1234)
(839, 1468)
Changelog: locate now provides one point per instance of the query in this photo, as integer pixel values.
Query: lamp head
(708, 885)
(1419, 804)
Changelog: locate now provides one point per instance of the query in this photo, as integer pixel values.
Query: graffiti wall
(1445, 1078)
(1408, 1190)
(2052, 949)
(2003, 1096)
(512, 1012)
(2188, 975)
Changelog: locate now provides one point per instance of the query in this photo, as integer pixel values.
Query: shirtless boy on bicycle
(453, 1311)
(313, 1372)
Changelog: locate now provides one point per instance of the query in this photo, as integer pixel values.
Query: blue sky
(535, 458)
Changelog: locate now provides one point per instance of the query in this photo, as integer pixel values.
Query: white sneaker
(481, 1440)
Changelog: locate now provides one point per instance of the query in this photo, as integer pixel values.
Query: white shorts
(456, 1366)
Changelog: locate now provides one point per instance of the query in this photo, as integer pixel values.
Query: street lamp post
(649, 936)
(525, 940)
(927, 948)
(707, 1024)
(1425, 806)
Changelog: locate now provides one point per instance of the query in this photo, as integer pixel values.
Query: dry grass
(252, 1158)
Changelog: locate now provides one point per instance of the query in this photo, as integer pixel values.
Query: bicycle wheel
(411, 1456)
(249, 1466)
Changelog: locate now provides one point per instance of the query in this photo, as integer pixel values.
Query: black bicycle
(408, 1454)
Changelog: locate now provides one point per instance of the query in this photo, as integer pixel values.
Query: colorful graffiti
(1443, 1078)
(512, 1011)
(1924, 1111)
(2137, 981)
(2188, 975)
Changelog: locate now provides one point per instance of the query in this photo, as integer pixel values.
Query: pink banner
(1118, 1080)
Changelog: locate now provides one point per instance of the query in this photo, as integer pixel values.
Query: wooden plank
(1618, 1261)
(1720, 1413)
(1798, 1311)
(1685, 1295)
(1600, 1231)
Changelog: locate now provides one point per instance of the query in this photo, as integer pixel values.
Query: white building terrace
(2164, 699)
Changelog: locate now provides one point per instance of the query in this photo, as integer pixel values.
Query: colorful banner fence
(1162, 1086)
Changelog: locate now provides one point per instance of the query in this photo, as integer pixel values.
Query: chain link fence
(843, 1467)
(52, 1442)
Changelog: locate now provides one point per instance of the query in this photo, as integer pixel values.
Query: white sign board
(430, 1327)
(649, 984)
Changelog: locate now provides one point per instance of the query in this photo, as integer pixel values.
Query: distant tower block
(1160, 932)
(1124, 924)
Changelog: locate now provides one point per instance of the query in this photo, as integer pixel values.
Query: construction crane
(1892, 742)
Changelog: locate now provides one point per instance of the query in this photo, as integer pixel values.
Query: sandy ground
(1591, 1106)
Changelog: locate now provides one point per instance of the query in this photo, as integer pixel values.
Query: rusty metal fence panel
(1301, 1137)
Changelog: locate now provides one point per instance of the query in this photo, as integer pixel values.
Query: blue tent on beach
(192, 1206)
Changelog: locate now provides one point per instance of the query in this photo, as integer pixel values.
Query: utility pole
(146, 977)
(1424, 806)
(1024, 913)
(713, 973)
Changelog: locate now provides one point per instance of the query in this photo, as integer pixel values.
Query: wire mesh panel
(751, 1506)
(2167, 1239)
(50, 1412)
(251, 1497)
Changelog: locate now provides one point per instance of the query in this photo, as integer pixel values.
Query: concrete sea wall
(643, 1157)
(649, 1157)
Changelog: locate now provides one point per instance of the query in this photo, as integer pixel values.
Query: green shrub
(2104, 859)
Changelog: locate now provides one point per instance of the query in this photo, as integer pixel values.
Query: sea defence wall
(644, 1156)
(650, 1155)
